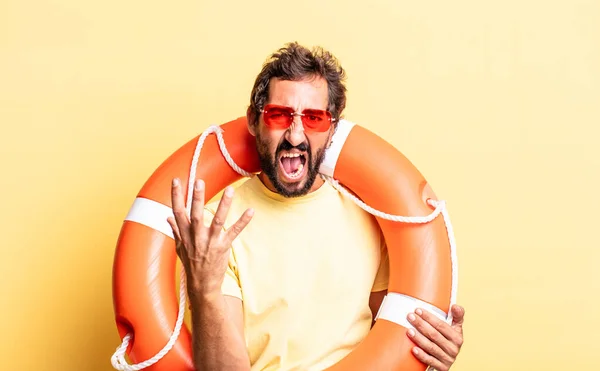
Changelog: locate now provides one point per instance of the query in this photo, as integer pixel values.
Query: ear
(249, 122)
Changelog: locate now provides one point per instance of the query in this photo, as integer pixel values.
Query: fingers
(435, 331)
(179, 211)
(177, 235)
(429, 347)
(221, 214)
(173, 224)
(239, 226)
(192, 230)
(427, 359)
(197, 211)
(442, 327)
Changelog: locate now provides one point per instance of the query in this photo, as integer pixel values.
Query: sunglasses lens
(316, 120)
(278, 117)
(281, 117)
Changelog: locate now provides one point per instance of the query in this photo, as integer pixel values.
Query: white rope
(219, 132)
(440, 208)
(118, 359)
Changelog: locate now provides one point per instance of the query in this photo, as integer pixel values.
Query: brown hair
(295, 62)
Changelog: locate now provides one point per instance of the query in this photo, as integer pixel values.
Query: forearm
(217, 343)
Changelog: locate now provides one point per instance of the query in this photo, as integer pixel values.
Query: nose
(295, 134)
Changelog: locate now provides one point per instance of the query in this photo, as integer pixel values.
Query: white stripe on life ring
(151, 214)
(396, 307)
(337, 142)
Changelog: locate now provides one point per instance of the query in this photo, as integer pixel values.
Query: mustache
(287, 146)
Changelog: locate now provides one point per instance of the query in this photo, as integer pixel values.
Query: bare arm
(218, 335)
(218, 340)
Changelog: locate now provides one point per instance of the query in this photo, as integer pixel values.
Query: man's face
(290, 158)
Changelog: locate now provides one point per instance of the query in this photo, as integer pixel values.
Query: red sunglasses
(281, 117)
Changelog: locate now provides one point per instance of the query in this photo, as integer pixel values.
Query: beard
(270, 166)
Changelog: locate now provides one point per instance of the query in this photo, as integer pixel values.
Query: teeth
(291, 155)
(298, 171)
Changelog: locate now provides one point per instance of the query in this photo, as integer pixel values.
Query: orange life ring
(422, 255)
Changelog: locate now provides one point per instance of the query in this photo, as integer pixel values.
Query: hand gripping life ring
(423, 264)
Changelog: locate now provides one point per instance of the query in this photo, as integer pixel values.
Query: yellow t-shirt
(304, 268)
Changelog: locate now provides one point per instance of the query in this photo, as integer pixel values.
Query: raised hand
(203, 250)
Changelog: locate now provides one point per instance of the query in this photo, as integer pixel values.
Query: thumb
(458, 315)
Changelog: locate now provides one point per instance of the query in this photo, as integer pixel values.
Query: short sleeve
(231, 282)
(383, 273)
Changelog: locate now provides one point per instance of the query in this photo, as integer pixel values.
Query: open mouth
(293, 165)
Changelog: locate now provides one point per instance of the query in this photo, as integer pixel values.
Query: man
(298, 287)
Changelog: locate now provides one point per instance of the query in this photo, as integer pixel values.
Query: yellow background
(497, 103)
